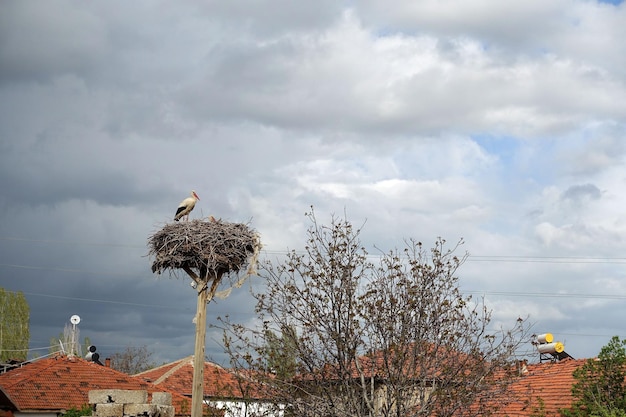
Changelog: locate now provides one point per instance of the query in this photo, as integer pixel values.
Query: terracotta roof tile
(61, 382)
(547, 383)
(545, 387)
(218, 382)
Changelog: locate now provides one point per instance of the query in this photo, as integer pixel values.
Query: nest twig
(209, 248)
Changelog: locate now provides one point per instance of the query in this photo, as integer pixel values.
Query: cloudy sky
(499, 122)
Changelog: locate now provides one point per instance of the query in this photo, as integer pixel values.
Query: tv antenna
(75, 319)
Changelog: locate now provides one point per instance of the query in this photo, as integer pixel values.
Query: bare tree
(132, 360)
(389, 338)
(67, 342)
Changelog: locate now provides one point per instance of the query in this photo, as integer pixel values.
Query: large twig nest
(208, 248)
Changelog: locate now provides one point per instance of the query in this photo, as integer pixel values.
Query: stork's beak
(196, 195)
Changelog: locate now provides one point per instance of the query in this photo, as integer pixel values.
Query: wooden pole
(197, 392)
(205, 295)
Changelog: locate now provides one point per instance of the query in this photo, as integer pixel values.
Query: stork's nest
(210, 248)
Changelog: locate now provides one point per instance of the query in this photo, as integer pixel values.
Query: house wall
(379, 395)
(411, 399)
(130, 403)
(246, 409)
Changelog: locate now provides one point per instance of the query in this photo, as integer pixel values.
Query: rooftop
(219, 383)
(543, 387)
(62, 382)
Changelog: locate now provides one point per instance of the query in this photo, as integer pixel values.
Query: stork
(185, 206)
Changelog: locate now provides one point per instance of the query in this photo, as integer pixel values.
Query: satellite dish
(74, 319)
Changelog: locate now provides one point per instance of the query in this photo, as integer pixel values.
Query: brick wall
(127, 403)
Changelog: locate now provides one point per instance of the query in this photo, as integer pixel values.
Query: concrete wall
(246, 409)
(127, 403)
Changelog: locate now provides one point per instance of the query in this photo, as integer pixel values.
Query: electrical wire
(78, 271)
(549, 295)
(471, 258)
(69, 242)
(29, 350)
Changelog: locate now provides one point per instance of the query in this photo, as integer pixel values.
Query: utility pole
(205, 295)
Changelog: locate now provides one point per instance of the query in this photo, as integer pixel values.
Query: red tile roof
(62, 382)
(218, 382)
(541, 388)
(380, 363)
(545, 387)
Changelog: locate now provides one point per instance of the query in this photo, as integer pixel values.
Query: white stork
(185, 206)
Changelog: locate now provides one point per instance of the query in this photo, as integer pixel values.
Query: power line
(546, 259)
(485, 292)
(471, 258)
(511, 258)
(95, 300)
(520, 259)
(69, 242)
(78, 271)
(586, 335)
(29, 349)
(515, 257)
(549, 295)
(502, 293)
(103, 301)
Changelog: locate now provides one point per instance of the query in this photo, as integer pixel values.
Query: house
(396, 380)
(531, 389)
(237, 394)
(51, 386)
(536, 389)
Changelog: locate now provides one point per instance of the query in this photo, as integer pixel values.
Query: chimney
(522, 367)
(107, 362)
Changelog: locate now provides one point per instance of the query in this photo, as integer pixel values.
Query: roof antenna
(75, 319)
